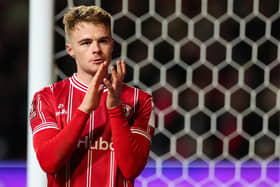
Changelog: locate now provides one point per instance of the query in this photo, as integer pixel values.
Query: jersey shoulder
(127, 89)
(53, 89)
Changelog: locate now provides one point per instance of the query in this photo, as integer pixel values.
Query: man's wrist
(85, 110)
(115, 109)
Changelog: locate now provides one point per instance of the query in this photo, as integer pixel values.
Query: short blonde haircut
(91, 14)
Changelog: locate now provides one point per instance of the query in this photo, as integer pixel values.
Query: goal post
(40, 70)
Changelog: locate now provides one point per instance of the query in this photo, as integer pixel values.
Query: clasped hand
(92, 98)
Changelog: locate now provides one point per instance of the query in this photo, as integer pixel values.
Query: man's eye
(104, 41)
(85, 43)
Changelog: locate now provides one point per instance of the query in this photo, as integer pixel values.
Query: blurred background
(212, 67)
(13, 78)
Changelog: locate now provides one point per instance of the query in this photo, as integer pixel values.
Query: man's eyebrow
(84, 40)
(105, 38)
(89, 39)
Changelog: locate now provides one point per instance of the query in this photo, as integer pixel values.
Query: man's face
(90, 44)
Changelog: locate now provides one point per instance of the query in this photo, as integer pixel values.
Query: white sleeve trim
(152, 119)
(141, 132)
(43, 126)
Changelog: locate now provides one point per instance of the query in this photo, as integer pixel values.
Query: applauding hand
(92, 98)
(115, 85)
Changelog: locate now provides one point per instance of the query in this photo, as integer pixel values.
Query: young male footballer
(91, 130)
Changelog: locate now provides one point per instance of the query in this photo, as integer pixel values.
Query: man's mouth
(97, 61)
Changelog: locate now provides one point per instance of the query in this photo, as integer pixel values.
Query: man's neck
(85, 78)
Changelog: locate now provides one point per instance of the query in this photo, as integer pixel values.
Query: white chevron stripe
(141, 132)
(43, 126)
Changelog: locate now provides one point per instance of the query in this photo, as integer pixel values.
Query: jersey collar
(77, 83)
(80, 85)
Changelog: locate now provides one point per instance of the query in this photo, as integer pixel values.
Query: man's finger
(119, 68)
(114, 74)
(123, 65)
(101, 72)
(108, 85)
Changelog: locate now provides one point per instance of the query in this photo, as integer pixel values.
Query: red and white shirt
(108, 148)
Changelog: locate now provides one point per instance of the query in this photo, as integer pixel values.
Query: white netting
(212, 67)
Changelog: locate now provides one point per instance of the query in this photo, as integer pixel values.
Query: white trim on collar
(80, 85)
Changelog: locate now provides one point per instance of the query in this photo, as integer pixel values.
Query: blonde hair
(91, 14)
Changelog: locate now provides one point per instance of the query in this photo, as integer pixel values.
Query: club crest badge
(33, 112)
(128, 110)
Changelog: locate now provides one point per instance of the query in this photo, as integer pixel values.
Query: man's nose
(95, 47)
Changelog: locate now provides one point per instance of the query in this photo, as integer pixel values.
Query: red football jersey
(108, 148)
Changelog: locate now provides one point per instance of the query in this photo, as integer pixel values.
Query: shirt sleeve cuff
(116, 112)
(82, 114)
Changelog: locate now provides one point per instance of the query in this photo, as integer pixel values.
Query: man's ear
(69, 50)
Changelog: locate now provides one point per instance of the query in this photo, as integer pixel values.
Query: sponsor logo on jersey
(98, 144)
(61, 109)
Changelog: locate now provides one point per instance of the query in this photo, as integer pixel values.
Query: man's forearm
(53, 150)
(131, 150)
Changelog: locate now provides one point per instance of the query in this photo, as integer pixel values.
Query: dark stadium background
(188, 56)
(13, 78)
